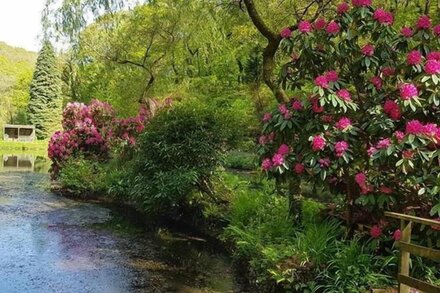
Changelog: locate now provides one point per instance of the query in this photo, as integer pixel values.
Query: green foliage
(178, 153)
(240, 160)
(82, 176)
(44, 109)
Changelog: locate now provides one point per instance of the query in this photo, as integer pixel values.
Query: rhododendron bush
(92, 130)
(363, 119)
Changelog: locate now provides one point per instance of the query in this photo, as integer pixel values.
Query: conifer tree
(45, 104)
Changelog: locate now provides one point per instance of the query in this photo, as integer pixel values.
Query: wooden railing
(406, 282)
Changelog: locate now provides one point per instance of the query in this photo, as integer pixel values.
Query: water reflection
(24, 163)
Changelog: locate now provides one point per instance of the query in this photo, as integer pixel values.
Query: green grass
(14, 147)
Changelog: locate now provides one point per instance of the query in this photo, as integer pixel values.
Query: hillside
(16, 68)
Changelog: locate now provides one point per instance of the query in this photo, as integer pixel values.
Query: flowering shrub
(91, 130)
(362, 121)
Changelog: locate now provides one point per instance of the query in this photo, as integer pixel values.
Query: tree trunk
(295, 201)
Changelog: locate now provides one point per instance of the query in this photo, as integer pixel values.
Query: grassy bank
(38, 148)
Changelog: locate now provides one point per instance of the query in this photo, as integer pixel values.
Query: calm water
(50, 243)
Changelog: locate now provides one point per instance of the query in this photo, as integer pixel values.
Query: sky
(20, 23)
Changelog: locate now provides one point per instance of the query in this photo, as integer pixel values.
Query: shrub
(240, 160)
(82, 176)
(177, 154)
(363, 118)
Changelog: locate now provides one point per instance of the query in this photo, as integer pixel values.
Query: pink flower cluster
(383, 144)
(392, 109)
(285, 111)
(383, 17)
(320, 23)
(333, 28)
(318, 143)
(430, 130)
(343, 123)
(341, 147)
(286, 33)
(305, 27)
(414, 57)
(361, 180)
(408, 91)
(361, 3)
(432, 67)
(368, 50)
(344, 95)
(375, 231)
(278, 158)
(407, 32)
(342, 8)
(265, 139)
(377, 82)
(423, 23)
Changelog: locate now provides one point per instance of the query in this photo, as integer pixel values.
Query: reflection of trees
(41, 165)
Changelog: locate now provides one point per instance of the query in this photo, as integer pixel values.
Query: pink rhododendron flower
(322, 82)
(436, 30)
(388, 71)
(399, 136)
(433, 56)
(424, 22)
(331, 76)
(414, 57)
(344, 95)
(430, 129)
(297, 105)
(333, 28)
(305, 27)
(283, 108)
(392, 109)
(432, 67)
(341, 147)
(383, 144)
(277, 160)
(299, 168)
(407, 32)
(385, 189)
(318, 143)
(414, 127)
(342, 8)
(320, 23)
(316, 108)
(324, 163)
(266, 165)
(383, 17)
(371, 151)
(286, 33)
(283, 150)
(377, 82)
(408, 91)
(262, 140)
(368, 50)
(361, 3)
(361, 180)
(267, 117)
(397, 235)
(375, 231)
(343, 123)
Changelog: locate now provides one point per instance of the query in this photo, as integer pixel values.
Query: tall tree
(44, 110)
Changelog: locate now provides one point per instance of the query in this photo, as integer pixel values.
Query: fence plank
(414, 219)
(417, 284)
(421, 251)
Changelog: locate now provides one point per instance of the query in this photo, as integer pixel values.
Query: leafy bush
(240, 160)
(82, 176)
(177, 154)
(363, 121)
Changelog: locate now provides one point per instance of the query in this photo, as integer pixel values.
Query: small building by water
(19, 132)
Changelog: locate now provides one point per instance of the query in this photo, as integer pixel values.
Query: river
(49, 243)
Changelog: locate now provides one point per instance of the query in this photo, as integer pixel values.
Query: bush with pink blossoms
(92, 130)
(368, 124)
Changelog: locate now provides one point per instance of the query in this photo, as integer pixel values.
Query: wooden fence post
(405, 227)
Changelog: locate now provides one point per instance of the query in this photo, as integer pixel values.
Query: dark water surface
(53, 244)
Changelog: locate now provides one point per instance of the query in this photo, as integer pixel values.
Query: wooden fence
(406, 282)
